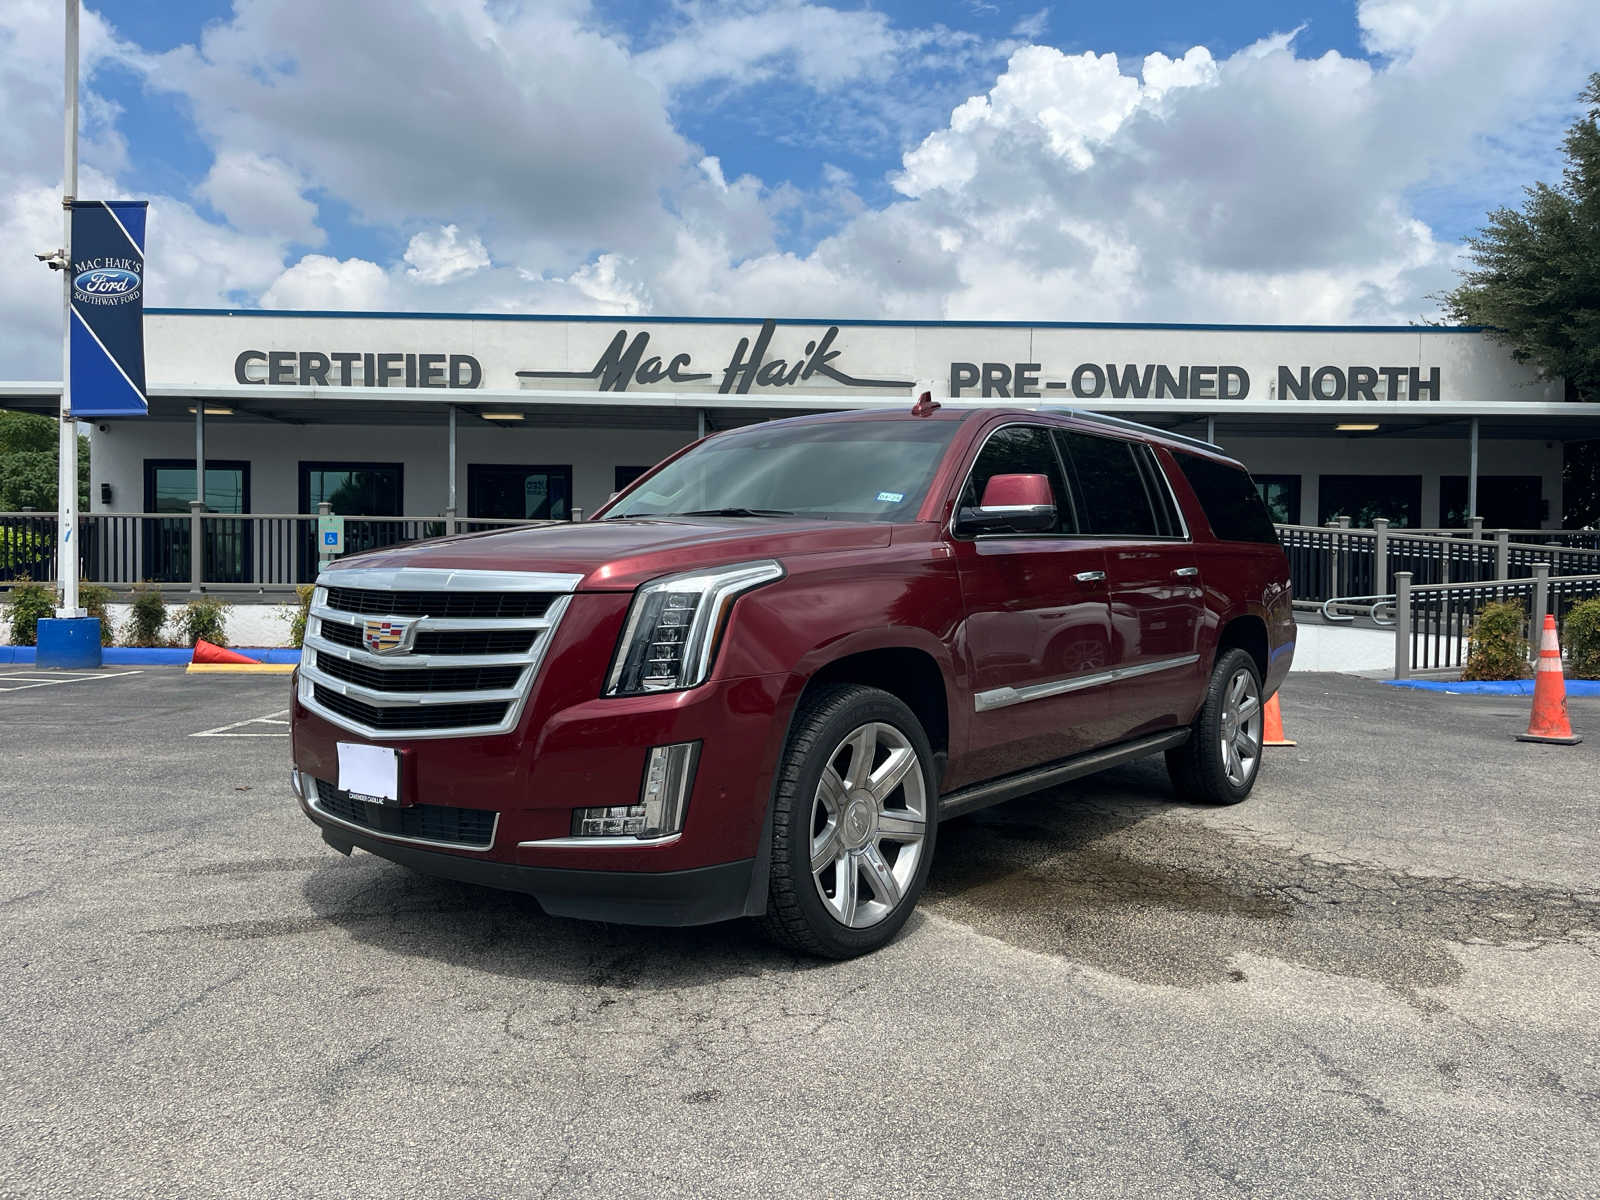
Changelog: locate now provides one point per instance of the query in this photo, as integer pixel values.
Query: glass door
(353, 489)
(168, 488)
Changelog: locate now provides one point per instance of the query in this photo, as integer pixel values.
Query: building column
(200, 451)
(1472, 473)
(450, 506)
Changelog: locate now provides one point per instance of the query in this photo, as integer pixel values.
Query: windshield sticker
(891, 497)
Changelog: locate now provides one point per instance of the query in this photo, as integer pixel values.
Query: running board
(997, 791)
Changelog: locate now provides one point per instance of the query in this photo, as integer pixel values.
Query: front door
(1037, 629)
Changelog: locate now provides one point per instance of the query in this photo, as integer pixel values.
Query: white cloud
(445, 255)
(318, 281)
(258, 194)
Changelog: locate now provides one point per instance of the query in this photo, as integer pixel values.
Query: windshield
(849, 470)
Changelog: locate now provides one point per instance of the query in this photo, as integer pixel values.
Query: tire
(873, 841)
(1221, 760)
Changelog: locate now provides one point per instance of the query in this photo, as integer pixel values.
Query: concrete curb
(151, 656)
(239, 668)
(1498, 687)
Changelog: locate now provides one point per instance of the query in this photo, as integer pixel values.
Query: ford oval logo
(107, 281)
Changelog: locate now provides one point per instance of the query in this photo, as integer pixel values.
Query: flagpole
(67, 473)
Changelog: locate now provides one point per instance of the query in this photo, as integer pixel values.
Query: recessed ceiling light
(215, 411)
(501, 416)
(1349, 428)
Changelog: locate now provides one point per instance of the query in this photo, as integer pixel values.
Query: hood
(619, 555)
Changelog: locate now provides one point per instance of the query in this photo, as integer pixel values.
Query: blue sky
(1260, 160)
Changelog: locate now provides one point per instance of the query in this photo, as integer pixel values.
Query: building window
(519, 492)
(168, 488)
(1364, 498)
(1504, 501)
(353, 488)
(623, 476)
(356, 489)
(1281, 495)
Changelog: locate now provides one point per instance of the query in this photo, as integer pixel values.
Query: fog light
(663, 799)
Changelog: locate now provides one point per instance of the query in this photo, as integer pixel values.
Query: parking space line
(18, 682)
(230, 730)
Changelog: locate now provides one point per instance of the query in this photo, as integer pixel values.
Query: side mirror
(1011, 504)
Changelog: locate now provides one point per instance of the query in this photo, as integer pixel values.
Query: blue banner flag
(107, 338)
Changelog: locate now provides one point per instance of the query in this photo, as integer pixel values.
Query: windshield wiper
(738, 512)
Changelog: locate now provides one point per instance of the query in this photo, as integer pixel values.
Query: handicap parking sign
(330, 535)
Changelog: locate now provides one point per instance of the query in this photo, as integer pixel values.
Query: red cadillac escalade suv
(756, 682)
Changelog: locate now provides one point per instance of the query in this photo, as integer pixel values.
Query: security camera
(103, 427)
(56, 260)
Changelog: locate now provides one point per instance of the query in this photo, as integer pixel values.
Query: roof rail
(1083, 414)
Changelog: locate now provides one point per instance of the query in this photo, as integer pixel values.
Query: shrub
(1583, 639)
(204, 618)
(95, 597)
(28, 602)
(1498, 645)
(297, 619)
(148, 616)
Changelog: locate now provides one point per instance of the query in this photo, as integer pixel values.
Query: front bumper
(697, 896)
(524, 786)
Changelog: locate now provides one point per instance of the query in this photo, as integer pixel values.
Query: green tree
(28, 458)
(1534, 280)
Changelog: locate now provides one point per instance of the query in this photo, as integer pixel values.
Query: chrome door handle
(1187, 572)
(1090, 576)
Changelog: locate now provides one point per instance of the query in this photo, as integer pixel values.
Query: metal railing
(1433, 621)
(1338, 563)
(203, 551)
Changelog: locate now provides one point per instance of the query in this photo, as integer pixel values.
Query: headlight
(674, 626)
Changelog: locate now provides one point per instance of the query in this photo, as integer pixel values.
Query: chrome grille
(462, 648)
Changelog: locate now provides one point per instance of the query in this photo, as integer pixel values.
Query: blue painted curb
(1505, 687)
(155, 656)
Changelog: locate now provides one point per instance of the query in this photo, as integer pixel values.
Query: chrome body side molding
(1005, 697)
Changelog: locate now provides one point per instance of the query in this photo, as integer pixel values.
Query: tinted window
(1115, 495)
(1020, 450)
(856, 470)
(1230, 500)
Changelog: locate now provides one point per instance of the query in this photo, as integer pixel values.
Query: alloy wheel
(1241, 728)
(869, 823)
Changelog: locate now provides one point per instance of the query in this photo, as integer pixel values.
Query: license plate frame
(370, 773)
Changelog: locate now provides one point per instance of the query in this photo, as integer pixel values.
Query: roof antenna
(925, 405)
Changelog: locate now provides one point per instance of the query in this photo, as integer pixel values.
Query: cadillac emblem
(388, 635)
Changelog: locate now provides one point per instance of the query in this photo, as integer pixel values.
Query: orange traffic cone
(1549, 720)
(1273, 720)
(205, 652)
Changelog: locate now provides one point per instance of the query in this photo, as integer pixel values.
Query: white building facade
(494, 417)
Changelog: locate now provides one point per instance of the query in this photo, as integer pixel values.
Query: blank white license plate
(370, 773)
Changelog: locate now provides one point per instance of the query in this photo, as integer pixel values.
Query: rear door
(1037, 630)
(1155, 588)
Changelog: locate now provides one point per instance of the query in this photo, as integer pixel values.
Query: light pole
(67, 470)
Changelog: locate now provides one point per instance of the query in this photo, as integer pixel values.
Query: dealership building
(487, 416)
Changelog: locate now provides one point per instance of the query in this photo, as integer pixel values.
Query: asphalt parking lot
(1376, 978)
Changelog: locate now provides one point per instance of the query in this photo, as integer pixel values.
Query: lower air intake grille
(413, 716)
(420, 822)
